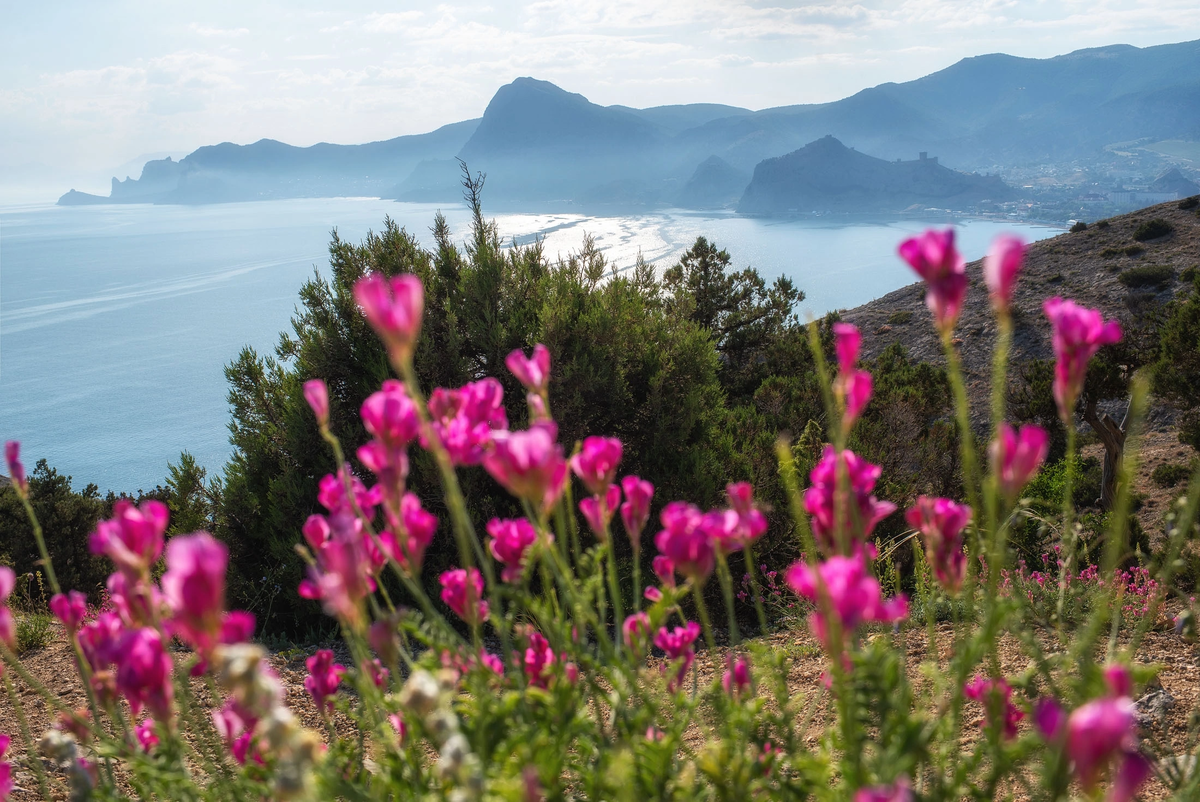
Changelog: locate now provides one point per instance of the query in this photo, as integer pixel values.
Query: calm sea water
(116, 322)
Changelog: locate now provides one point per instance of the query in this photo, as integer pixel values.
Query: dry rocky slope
(1084, 266)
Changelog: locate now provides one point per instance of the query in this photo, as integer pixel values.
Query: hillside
(827, 176)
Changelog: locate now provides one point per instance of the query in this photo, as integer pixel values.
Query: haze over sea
(116, 321)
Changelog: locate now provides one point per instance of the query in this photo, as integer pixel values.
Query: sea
(116, 321)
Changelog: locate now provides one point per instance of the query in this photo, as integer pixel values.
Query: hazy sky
(88, 85)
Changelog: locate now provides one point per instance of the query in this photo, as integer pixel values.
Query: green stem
(752, 570)
(31, 757)
(702, 611)
(1069, 537)
(726, 581)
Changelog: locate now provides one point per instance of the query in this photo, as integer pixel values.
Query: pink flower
(16, 471)
(511, 539)
(146, 736)
(852, 387)
(133, 537)
(636, 631)
(941, 523)
(98, 640)
(685, 542)
(144, 672)
(323, 678)
(236, 726)
(664, 569)
(390, 415)
(342, 577)
(539, 658)
(996, 696)
(194, 588)
(416, 531)
(376, 672)
(733, 529)
(399, 726)
(462, 591)
(1000, 268)
(317, 396)
(935, 259)
(492, 663)
(393, 307)
(850, 594)
(596, 463)
(677, 643)
(1050, 719)
(652, 594)
(1097, 732)
(533, 373)
(237, 627)
(737, 675)
(466, 420)
(1016, 457)
(899, 791)
(858, 512)
(1076, 334)
(598, 510)
(8, 626)
(529, 464)
(1118, 680)
(635, 512)
(331, 494)
(138, 602)
(70, 609)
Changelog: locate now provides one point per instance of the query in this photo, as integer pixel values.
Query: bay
(116, 321)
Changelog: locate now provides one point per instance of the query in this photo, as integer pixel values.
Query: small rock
(1152, 708)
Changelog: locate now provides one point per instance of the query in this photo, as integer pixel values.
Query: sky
(92, 87)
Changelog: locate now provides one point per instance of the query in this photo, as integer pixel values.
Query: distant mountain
(716, 184)
(540, 143)
(826, 176)
(1174, 181)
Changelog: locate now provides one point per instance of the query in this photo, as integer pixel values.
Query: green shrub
(1102, 224)
(1080, 226)
(1057, 278)
(1134, 250)
(1148, 276)
(899, 317)
(1110, 252)
(1152, 229)
(1189, 275)
(1190, 203)
(34, 631)
(1165, 476)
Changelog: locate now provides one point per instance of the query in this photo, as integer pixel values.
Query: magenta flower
(941, 523)
(144, 672)
(466, 420)
(664, 569)
(1000, 268)
(1050, 719)
(858, 512)
(737, 675)
(1118, 679)
(685, 542)
(598, 511)
(194, 588)
(16, 471)
(342, 577)
(8, 625)
(492, 663)
(996, 697)
(390, 415)
(1016, 457)
(678, 644)
(1076, 334)
(331, 494)
(317, 396)
(462, 591)
(323, 678)
(70, 609)
(133, 537)
(146, 736)
(511, 540)
(1097, 732)
(529, 464)
(237, 627)
(935, 259)
(742, 524)
(596, 463)
(416, 530)
(539, 658)
(635, 512)
(533, 373)
(393, 307)
(236, 726)
(138, 603)
(852, 387)
(899, 791)
(849, 593)
(636, 631)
